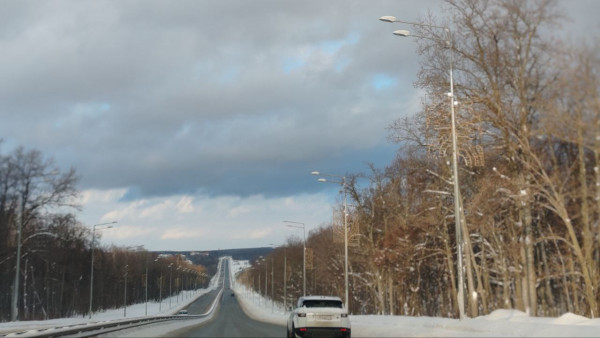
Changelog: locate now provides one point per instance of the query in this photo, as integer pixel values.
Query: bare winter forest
(528, 136)
(55, 250)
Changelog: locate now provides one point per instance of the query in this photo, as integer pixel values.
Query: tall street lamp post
(170, 279)
(284, 280)
(342, 182)
(457, 215)
(159, 287)
(125, 293)
(303, 227)
(14, 309)
(102, 226)
(15, 295)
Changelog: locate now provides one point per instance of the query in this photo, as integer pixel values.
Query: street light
(15, 294)
(159, 287)
(343, 183)
(170, 279)
(92, 268)
(125, 292)
(178, 282)
(457, 216)
(303, 227)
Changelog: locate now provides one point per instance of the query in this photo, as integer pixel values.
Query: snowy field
(505, 323)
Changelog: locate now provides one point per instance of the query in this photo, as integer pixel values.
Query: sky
(196, 124)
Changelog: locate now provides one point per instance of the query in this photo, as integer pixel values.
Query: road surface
(229, 319)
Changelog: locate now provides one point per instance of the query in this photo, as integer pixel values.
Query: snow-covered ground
(168, 306)
(506, 323)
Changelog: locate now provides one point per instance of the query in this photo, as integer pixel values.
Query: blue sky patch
(291, 64)
(383, 81)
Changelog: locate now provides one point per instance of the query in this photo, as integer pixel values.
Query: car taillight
(302, 329)
(302, 315)
(344, 315)
(343, 329)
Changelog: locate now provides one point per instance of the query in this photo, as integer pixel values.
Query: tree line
(527, 108)
(54, 250)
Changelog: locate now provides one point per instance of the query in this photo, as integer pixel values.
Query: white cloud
(178, 233)
(185, 204)
(254, 233)
(126, 232)
(185, 222)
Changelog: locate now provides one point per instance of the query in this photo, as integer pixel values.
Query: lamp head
(402, 32)
(388, 18)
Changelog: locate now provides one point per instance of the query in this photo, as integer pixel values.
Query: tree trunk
(549, 309)
(390, 294)
(574, 283)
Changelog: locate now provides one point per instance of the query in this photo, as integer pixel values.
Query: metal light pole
(160, 292)
(284, 280)
(14, 313)
(170, 279)
(125, 293)
(344, 187)
(272, 285)
(92, 268)
(457, 215)
(178, 282)
(146, 282)
(159, 288)
(303, 227)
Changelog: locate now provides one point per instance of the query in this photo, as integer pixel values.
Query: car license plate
(323, 317)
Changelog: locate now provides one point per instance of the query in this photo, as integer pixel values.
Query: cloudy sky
(196, 124)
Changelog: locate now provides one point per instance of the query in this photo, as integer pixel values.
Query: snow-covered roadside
(168, 306)
(505, 323)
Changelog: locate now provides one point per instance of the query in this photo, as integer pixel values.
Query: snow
(505, 323)
(169, 306)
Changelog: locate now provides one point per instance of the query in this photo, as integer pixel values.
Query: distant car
(318, 316)
(182, 312)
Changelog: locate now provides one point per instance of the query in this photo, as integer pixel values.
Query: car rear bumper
(338, 332)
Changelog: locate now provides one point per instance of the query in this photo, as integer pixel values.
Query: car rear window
(323, 303)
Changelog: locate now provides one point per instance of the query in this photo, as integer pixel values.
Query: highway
(229, 319)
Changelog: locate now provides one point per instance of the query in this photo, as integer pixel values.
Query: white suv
(318, 316)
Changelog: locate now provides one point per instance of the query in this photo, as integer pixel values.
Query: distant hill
(210, 258)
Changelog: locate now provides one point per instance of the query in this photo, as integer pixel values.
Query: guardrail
(97, 328)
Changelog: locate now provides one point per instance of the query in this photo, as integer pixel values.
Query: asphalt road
(229, 319)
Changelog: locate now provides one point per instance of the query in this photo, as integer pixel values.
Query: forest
(52, 250)
(527, 125)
